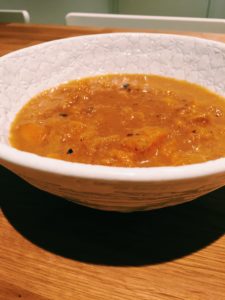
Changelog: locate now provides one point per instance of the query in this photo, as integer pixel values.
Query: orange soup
(129, 120)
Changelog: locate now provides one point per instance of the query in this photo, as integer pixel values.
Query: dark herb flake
(126, 85)
(63, 115)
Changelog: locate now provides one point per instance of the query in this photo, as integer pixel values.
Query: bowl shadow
(111, 238)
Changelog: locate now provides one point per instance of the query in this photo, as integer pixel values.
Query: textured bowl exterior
(120, 195)
(26, 72)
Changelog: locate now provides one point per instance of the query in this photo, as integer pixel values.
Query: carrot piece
(32, 134)
(145, 139)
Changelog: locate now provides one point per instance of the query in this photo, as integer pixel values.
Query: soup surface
(130, 120)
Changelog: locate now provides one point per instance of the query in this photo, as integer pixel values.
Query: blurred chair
(146, 22)
(13, 15)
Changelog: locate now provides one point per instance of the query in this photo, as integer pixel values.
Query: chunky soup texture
(129, 120)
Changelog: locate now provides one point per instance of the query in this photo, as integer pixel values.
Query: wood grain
(53, 249)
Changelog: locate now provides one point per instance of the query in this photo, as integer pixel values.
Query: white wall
(192, 8)
(217, 9)
(54, 11)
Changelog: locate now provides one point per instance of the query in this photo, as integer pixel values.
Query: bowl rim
(108, 173)
(179, 36)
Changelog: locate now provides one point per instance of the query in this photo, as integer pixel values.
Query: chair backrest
(146, 22)
(14, 15)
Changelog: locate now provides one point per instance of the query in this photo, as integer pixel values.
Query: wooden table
(53, 249)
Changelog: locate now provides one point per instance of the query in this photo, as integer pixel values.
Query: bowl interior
(29, 71)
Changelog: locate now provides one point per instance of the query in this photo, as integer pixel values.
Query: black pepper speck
(70, 151)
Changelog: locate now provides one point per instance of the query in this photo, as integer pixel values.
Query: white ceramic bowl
(26, 72)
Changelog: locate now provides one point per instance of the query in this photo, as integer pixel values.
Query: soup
(128, 120)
